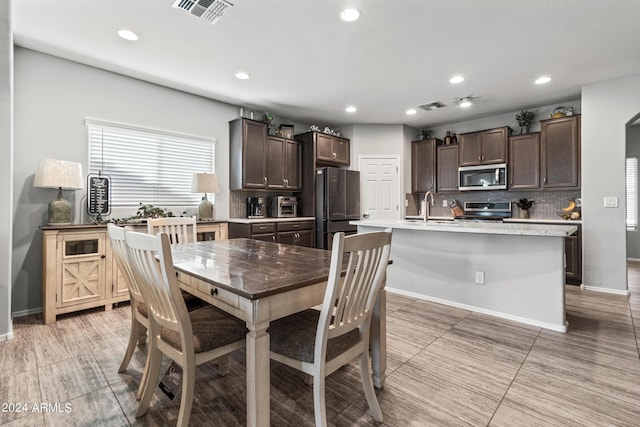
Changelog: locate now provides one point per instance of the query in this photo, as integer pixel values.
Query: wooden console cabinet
(79, 271)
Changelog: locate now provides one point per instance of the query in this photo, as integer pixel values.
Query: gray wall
(507, 119)
(383, 140)
(379, 140)
(6, 166)
(607, 108)
(633, 150)
(52, 98)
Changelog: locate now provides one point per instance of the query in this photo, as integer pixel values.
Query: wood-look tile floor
(446, 367)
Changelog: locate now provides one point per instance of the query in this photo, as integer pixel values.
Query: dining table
(259, 282)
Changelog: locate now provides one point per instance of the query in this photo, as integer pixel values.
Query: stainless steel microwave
(483, 177)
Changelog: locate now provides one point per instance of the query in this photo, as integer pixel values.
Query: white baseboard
(28, 312)
(633, 259)
(5, 337)
(624, 292)
(525, 320)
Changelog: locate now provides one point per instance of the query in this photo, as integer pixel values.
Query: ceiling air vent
(432, 106)
(209, 10)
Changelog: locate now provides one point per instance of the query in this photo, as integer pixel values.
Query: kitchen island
(510, 270)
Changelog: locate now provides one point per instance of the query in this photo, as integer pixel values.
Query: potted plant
(267, 118)
(425, 133)
(524, 206)
(525, 118)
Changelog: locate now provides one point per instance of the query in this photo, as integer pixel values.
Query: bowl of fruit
(571, 211)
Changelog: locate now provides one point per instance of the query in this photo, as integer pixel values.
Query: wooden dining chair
(188, 338)
(179, 229)
(139, 314)
(319, 342)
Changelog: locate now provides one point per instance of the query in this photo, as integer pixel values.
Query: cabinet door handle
(479, 158)
(544, 180)
(213, 291)
(265, 181)
(334, 155)
(103, 256)
(273, 237)
(287, 179)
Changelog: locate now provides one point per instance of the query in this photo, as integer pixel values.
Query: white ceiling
(307, 64)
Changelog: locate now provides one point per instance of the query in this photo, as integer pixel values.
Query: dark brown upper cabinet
(283, 164)
(524, 161)
(423, 165)
(483, 147)
(261, 161)
(247, 154)
(329, 150)
(560, 152)
(447, 168)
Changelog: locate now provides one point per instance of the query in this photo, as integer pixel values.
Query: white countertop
(544, 221)
(261, 220)
(512, 228)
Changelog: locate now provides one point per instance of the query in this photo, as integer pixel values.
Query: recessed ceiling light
(350, 15)
(411, 111)
(465, 103)
(542, 80)
(456, 79)
(128, 35)
(242, 75)
(350, 109)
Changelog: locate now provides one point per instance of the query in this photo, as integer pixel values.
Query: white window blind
(148, 166)
(632, 193)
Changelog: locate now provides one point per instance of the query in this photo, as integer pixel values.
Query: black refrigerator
(337, 203)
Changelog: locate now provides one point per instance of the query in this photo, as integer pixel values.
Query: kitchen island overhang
(523, 267)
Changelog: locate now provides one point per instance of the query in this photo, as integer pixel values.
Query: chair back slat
(119, 250)
(349, 301)
(179, 229)
(152, 267)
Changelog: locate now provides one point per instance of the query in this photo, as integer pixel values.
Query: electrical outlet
(480, 277)
(444, 203)
(610, 202)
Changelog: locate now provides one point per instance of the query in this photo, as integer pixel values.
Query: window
(632, 193)
(148, 166)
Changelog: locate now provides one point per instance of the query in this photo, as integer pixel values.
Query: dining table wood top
(252, 269)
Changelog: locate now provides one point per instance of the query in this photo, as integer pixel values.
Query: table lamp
(59, 174)
(205, 183)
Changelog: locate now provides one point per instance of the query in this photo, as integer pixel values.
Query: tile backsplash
(238, 201)
(546, 204)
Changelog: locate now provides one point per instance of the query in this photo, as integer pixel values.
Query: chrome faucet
(426, 205)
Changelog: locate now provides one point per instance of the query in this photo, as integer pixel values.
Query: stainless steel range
(485, 211)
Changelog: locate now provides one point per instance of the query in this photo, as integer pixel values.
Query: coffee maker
(256, 207)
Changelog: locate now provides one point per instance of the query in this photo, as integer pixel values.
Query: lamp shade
(205, 183)
(53, 173)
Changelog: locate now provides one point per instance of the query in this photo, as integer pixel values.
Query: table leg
(258, 375)
(378, 339)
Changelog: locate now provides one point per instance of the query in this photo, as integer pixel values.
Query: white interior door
(380, 187)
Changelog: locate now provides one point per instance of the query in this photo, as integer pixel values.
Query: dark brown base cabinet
(297, 233)
(560, 152)
(447, 167)
(423, 165)
(573, 258)
(524, 162)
